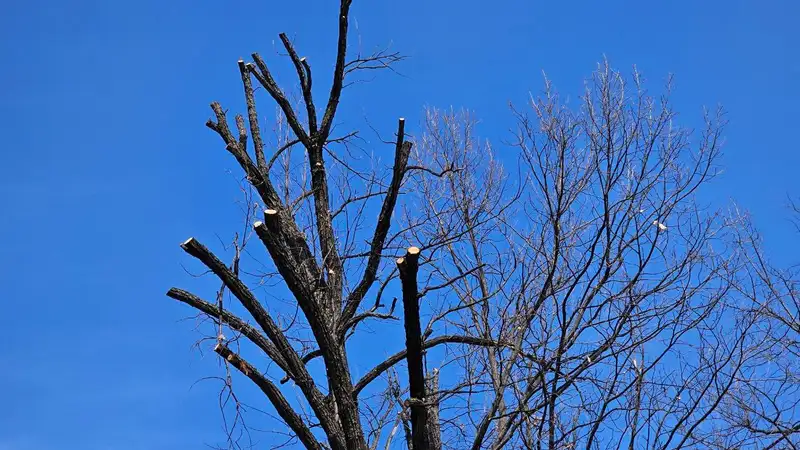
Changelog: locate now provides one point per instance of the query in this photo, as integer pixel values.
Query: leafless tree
(794, 206)
(584, 299)
(766, 407)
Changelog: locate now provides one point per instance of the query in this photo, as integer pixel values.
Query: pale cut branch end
(262, 231)
(411, 259)
(243, 70)
(271, 217)
(401, 131)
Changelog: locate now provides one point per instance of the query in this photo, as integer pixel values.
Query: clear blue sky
(106, 164)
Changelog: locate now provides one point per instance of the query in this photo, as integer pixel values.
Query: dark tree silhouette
(582, 300)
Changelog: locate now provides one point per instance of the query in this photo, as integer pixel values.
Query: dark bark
(284, 409)
(256, 177)
(331, 263)
(232, 321)
(409, 266)
(332, 351)
(318, 292)
(378, 370)
(264, 77)
(304, 75)
(401, 154)
(302, 260)
(300, 276)
(338, 71)
(252, 117)
(273, 332)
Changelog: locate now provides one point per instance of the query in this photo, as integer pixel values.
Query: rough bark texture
(294, 421)
(408, 267)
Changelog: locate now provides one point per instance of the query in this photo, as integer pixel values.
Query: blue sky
(106, 165)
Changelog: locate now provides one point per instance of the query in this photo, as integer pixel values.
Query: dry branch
(232, 321)
(284, 409)
(388, 363)
(401, 155)
(273, 332)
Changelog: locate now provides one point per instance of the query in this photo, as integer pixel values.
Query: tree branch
(451, 281)
(252, 117)
(297, 270)
(304, 74)
(284, 409)
(310, 297)
(379, 60)
(338, 72)
(257, 178)
(429, 343)
(266, 80)
(401, 155)
(408, 267)
(366, 315)
(279, 152)
(293, 361)
(306, 359)
(232, 321)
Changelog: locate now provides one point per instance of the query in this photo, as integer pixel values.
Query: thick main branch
(284, 409)
(274, 333)
(408, 267)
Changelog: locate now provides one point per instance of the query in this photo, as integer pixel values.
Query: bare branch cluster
(582, 299)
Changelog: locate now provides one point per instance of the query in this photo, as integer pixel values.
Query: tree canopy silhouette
(582, 299)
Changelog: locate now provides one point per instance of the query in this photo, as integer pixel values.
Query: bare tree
(766, 407)
(584, 299)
